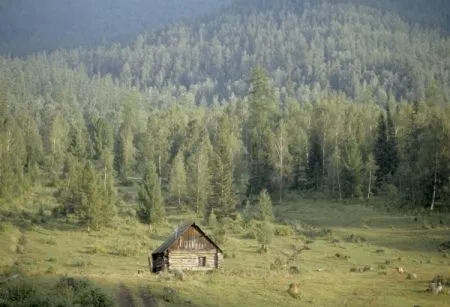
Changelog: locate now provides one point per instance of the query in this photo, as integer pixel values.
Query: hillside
(361, 48)
(30, 26)
(311, 139)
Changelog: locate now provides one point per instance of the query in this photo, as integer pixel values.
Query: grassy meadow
(341, 254)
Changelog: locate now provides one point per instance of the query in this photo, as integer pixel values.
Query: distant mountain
(379, 50)
(28, 25)
(369, 50)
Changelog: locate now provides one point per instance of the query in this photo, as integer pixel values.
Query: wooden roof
(181, 230)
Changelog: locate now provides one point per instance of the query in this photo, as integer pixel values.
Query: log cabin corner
(188, 248)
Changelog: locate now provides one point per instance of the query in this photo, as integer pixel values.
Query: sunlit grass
(381, 241)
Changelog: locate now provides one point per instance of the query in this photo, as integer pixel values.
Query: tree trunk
(370, 184)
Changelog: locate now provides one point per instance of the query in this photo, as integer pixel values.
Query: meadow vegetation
(319, 253)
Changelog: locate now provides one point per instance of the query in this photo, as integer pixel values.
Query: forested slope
(349, 101)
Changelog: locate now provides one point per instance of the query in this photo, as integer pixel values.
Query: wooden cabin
(188, 248)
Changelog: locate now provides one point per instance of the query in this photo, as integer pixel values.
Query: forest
(338, 100)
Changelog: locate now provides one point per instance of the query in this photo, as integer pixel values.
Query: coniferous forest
(344, 100)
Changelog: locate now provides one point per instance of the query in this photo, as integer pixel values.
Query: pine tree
(178, 179)
(261, 126)
(200, 175)
(151, 209)
(392, 150)
(314, 170)
(222, 196)
(381, 152)
(385, 151)
(264, 206)
(12, 159)
(95, 208)
(352, 171)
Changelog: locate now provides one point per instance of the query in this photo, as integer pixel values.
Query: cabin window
(202, 261)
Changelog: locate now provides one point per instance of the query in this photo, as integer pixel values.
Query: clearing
(341, 254)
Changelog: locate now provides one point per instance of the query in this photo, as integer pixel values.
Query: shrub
(355, 239)
(212, 220)
(50, 270)
(179, 275)
(95, 249)
(94, 297)
(79, 263)
(283, 231)
(22, 240)
(20, 249)
(49, 241)
(82, 293)
(277, 264)
(251, 234)
(220, 235)
(264, 234)
(294, 270)
(170, 295)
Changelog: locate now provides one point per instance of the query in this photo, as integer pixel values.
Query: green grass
(113, 256)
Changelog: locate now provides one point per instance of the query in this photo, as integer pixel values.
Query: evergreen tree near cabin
(261, 126)
(222, 196)
(151, 208)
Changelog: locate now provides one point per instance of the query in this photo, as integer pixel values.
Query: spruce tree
(178, 179)
(261, 126)
(381, 152)
(222, 196)
(200, 175)
(264, 206)
(151, 209)
(392, 150)
(352, 171)
(95, 208)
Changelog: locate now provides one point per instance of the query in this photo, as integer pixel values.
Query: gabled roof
(181, 230)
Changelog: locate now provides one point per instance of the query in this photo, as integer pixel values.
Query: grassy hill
(345, 254)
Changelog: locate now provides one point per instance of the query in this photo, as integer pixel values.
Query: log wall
(189, 260)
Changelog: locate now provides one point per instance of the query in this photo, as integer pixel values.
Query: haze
(29, 25)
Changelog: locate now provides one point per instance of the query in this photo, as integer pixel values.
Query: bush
(95, 249)
(170, 295)
(22, 240)
(264, 234)
(220, 235)
(50, 270)
(179, 275)
(82, 293)
(49, 241)
(212, 220)
(251, 234)
(355, 239)
(283, 231)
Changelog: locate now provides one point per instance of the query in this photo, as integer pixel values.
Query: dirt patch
(147, 298)
(125, 297)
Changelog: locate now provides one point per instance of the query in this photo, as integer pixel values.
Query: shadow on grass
(61, 290)
(26, 220)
